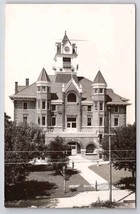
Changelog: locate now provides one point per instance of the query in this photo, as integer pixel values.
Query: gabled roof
(56, 91)
(115, 99)
(99, 78)
(43, 76)
(72, 82)
(65, 39)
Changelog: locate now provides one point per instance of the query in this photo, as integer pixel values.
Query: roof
(64, 77)
(65, 39)
(99, 78)
(115, 99)
(56, 91)
(43, 76)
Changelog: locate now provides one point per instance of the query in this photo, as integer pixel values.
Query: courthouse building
(69, 105)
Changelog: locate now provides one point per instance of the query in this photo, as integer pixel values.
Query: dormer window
(71, 98)
(96, 90)
(100, 90)
(43, 88)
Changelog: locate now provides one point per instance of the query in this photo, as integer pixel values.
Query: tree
(123, 148)
(58, 153)
(22, 143)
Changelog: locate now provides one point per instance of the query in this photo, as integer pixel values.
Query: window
(48, 89)
(100, 90)
(116, 109)
(38, 104)
(43, 121)
(43, 88)
(96, 90)
(25, 105)
(53, 121)
(101, 106)
(24, 119)
(88, 108)
(100, 121)
(66, 59)
(43, 105)
(38, 120)
(96, 105)
(89, 121)
(71, 122)
(53, 107)
(38, 88)
(71, 97)
(116, 121)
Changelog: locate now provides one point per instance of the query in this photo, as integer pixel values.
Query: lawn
(40, 185)
(103, 171)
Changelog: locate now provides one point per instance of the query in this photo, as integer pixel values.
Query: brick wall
(30, 112)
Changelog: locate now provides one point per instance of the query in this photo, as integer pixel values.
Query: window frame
(25, 118)
(89, 123)
(117, 109)
(71, 101)
(90, 108)
(53, 110)
(101, 104)
(53, 117)
(43, 120)
(24, 105)
(43, 106)
(100, 119)
(100, 90)
(117, 122)
(95, 105)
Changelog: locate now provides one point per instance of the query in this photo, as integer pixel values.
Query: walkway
(86, 198)
(82, 164)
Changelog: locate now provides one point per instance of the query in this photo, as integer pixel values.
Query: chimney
(27, 82)
(16, 87)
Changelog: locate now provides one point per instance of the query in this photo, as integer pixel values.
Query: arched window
(71, 98)
(90, 148)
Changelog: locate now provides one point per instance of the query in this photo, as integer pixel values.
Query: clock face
(67, 49)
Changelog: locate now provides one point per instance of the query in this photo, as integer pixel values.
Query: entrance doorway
(75, 148)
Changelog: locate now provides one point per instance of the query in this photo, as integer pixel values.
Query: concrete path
(86, 198)
(82, 164)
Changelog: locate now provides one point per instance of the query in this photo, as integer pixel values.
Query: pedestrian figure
(72, 164)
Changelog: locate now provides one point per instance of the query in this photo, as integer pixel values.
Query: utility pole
(64, 176)
(110, 162)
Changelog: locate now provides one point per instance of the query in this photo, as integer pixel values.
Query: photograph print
(69, 121)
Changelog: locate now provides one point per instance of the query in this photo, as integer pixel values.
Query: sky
(104, 35)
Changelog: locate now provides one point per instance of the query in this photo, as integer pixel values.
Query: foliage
(58, 153)
(22, 143)
(123, 148)
(107, 204)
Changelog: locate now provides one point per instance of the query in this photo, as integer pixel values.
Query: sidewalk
(82, 164)
(86, 198)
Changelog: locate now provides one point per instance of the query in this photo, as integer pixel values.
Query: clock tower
(65, 53)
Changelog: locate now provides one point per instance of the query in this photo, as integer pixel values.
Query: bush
(107, 204)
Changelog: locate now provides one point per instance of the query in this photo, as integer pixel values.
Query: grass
(121, 178)
(103, 171)
(40, 186)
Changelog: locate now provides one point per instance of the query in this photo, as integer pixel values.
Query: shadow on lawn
(29, 190)
(38, 168)
(127, 183)
(69, 172)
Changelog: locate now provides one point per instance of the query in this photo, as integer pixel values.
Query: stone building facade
(68, 105)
